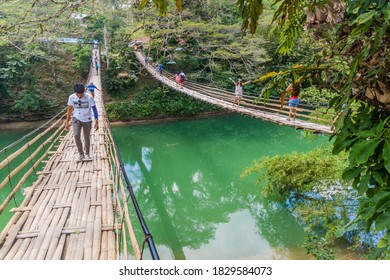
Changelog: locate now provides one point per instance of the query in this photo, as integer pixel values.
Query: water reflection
(187, 181)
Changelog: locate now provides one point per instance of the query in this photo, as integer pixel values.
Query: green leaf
(382, 195)
(382, 222)
(363, 184)
(366, 134)
(363, 150)
(363, 18)
(386, 155)
(367, 212)
(350, 173)
(340, 144)
(387, 14)
(380, 126)
(377, 177)
(383, 205)
(383, 243)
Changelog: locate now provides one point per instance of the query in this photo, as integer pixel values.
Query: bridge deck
(68, 213)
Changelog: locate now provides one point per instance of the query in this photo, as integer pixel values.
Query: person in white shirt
(80, 105)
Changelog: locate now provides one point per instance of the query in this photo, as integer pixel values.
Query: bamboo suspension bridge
(78, 210)
(75, 210)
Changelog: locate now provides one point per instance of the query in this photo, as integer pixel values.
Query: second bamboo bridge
(308, 117)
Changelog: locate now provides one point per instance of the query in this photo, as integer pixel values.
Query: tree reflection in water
(186, 176)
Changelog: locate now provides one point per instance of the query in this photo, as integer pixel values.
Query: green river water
(186, 176)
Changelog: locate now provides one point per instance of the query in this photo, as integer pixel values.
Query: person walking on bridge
(91, 89)
(80, 105)
(182, 78)
(239, 91)
(97, 68)
(158, 68)
(293, 102)
(177, 79)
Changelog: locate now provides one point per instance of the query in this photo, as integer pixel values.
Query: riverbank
(34, 124)
(21, 125)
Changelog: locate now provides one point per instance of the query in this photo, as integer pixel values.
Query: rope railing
(122, 202)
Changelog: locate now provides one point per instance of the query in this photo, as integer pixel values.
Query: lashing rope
(9, 176)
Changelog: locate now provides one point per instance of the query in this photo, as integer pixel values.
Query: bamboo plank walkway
(198, 92)
(69, 211)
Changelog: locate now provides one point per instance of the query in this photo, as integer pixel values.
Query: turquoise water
(186, 176)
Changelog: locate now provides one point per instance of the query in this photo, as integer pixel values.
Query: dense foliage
(33, 86)
(155, 103)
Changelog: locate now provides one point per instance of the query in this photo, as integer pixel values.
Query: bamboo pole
(59, 250)
(23, 248)
(57, 234)
(15, 248)
(11, 236)
(16, 216)
(41, 236)
(71, 244)
(28, 249)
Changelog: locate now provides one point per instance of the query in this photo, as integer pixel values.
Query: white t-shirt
(82, 107)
